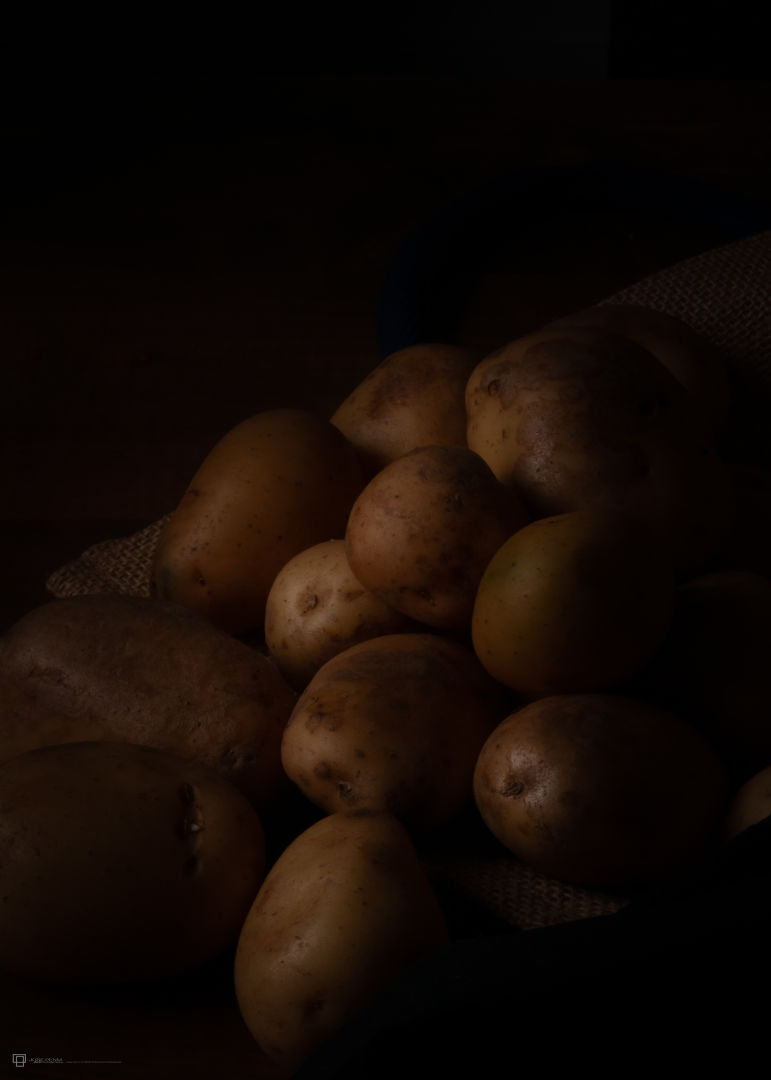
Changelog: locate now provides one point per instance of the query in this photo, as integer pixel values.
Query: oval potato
(343, 910)
(317, 608)
(144, 671)
(422, 531)
(415, 397)
(274, 485)
(572, 603)
(599, 790)
(393, 724)
(581, 418)
(120, 862)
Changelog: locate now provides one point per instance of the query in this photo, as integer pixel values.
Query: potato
(393, 724)
(274, 485)
(344, 909)
(422, 531)
(415, 397)
(119, 862)
(144, 671)
(599, 790)
(578, 418)
(317, 608)
(750, 805)
(572, 603)
(691, 358)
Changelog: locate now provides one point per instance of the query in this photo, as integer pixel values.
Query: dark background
(196, 220)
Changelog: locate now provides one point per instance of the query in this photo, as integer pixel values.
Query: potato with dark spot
(415, 397)
(144, 671)
(121, 863)
(317, 608)
(572, 603)
(346, 908)
(600, 790)
(422, 531)
(393, 724)
(581, 418)
(274, 485)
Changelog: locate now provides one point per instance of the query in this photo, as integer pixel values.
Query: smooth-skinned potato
(598, 789)
(120, 862)
(422, 531)
(144, 671)
(572, 603)
(344, 909)
(393, 724)
(415, 397)
(317, 608)
(274, 485)
(582, 418)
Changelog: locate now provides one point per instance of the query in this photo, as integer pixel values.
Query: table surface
(150, 302)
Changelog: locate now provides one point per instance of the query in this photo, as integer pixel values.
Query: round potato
(582, 418)
(599, 790)
(119, 862)
(317, 608)
(422, 531)
(415, 397)
(690, 357)
(393, 724)
(572, 603)
(144, 671)
(276, 484)
(344, 909)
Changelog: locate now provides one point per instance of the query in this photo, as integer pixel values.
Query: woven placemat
(723, 294)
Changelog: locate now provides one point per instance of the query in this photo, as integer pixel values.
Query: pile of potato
(525, 582)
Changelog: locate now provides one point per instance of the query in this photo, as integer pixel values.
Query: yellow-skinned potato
(598, 789)
(572, 603)
(581, 418)
(317, 608)
(422, 531)
(415, 397)
(274, 485)
(394, 724)
(344, 909)
(121, 862)
(144, 671)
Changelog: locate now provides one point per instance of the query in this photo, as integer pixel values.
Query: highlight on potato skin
(275, 484)
(344, 909)
(422, 531)
(600, 790)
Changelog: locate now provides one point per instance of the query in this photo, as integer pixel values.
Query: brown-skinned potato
(422, 531)
(272, 486)
(144, 671)
(598, 789)
(317, 608)
(121, 862)
(415, 397)
(579, 418)
(344, 909)
(393, 724)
